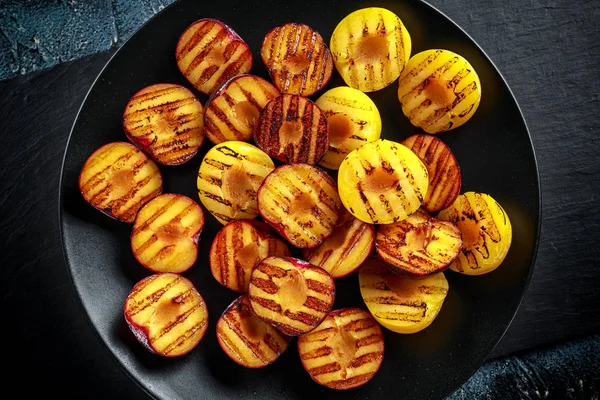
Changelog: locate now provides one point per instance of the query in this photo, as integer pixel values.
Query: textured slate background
(549, 51)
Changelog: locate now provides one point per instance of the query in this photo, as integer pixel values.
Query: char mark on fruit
(267, 303)
(184, 336)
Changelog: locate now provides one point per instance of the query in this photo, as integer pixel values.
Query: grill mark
(147, 95)
(351, 382)
(396, 301)
(180, 318)
(366, 203)
(265, 285)
(359, 325)
(303, 317)
(151, 298)
(163, 252)
(325, 369)
(145, 224)
(217, 164)
(366, 359)
(204, 28)
(206, 74)
(316, 304)
(250, 98)
(460, 96)
(317, 353)
(319, 287)
(146, 245)
(212, 180)
(124, 158)
(220, 35)
(266, 303)
(287, 329)
(177, 218)
(223, 254)
(210, 126)
(405, 317)
(168, 106)
(234, 348)
(238, 243)
(216, 198)
(221, 116)
(421, 66)
(172, 147)
(433, 290)
(185, 336)
(253, 347)
(356, 235)
(369, 340)
(438, 114)
(224, 217)
(466, 111)
(419, 109)
(273, 342)
(233, 68)
(141, 286)
(272, 270)
(320, 335)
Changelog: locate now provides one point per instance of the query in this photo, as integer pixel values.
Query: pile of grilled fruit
(395, 215)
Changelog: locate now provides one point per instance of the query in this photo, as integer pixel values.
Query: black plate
(493, 149)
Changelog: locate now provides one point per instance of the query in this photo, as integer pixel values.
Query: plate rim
(77, 290)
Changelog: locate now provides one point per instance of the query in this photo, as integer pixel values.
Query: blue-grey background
(37, 34)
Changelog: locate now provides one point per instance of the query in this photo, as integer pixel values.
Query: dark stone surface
(549, 53)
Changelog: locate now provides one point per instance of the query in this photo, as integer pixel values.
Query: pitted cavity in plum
(246, 112)
(122, 182)
(372, 48)
(340, 128)
(235, 185)
(293, 291)
(380, 181)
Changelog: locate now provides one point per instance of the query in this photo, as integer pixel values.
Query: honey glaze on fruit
(486, 230)
(345, 351)
(246, 339)
(166, 314)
